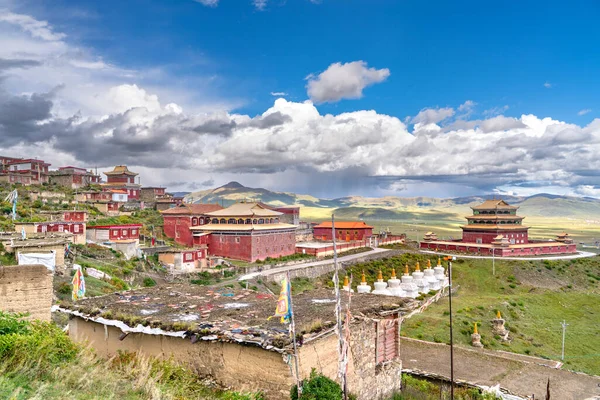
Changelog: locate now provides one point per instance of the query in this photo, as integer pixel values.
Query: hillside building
(73, 177)
(178, 221)
(246, 231)
(106, 233)
(184, 260)
(496, 229)
(122, 178)
(36, 170)
(77, 228)
(345, 231)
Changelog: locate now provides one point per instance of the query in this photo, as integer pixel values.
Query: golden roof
(244, 210)
(120, 170)
(496, 204)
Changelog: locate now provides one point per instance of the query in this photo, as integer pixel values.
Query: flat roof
(230, 315)
(245, 210)
(501, 227)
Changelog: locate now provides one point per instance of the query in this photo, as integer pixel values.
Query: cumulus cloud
(37, 29)
(343, 81)
(582, 112)
(548, 85)
(432, 115)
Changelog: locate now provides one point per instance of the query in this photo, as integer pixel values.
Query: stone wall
(26, 288)
(366, 379)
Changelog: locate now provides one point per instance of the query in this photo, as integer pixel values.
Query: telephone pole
(564, 331)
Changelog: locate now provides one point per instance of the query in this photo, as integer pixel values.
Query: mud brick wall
(26, 288)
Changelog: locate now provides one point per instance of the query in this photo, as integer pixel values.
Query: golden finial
(363, 280)
(393, 273)
(428, 264)
(475, 330)
(380, 276)
(346, 281)
(498, 315)
(439, 262)
(406, 269)
(418, 267)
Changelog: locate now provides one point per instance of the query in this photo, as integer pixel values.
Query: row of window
(494, 212)
(502, 222)
(234, 221)
(115, 232)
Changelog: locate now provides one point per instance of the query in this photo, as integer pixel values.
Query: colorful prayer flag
(78, 284)
(284, 308)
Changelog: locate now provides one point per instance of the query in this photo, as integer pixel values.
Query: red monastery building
(122, 178)
(344, 231)
(496, 229)
(178, 221)
(246, 231)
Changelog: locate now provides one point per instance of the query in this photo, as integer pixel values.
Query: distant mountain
(401, 208)
(179, 194)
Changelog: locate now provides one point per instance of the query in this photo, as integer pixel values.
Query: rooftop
(230, 315)
(120, 170)
(192, 209)
(345, 225)
(242, 227)
(496, 204)
(47, 241)
(245, 210)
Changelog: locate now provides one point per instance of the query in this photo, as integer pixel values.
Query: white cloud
(584, 111)
(37, 29)
(467, 106)
(343, 81)
(209, 3)
(492, 112)
(278, 94)
(259, 4)
(432, 115)
(548, 85)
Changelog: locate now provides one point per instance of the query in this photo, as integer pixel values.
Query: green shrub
(317, 387)
(149, 282)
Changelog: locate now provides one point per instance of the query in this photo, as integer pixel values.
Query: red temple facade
(122, 178)
(36, 170)
(178, 221)
(245, 231)
(496, 229)
(344, 231)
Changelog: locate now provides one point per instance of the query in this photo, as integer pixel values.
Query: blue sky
(474, 61)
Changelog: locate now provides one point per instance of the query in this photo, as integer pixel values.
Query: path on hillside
(521, 375)
(581, 254)
(329, 261)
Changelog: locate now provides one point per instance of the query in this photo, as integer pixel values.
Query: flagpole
(338, 308)
(293, 329)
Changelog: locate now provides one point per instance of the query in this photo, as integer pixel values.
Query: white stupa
(363, 287)
(439, 274)
(434, 284)
(419, 280)
(408, 286)
(381, 286)
(394, 285)
(347, 285)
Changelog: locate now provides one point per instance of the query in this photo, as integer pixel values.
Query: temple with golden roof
(496, 229)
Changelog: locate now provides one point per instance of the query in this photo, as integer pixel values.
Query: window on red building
(76, 228)
(124, 232)
(237, 239)
(133, 231)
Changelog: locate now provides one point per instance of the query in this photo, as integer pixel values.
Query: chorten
(422, 284)
(408, 285)
(476, 337)
(381, 285)
(498, 327)
(434, 284)
(439, 273)
(346, 286)
(394, 285)
(363, 287)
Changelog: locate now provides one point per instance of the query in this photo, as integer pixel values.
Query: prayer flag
(78, 284)
(284, 308)
(23, 233)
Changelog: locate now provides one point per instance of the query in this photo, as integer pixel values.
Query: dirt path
(521, 375)
(328, 261)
